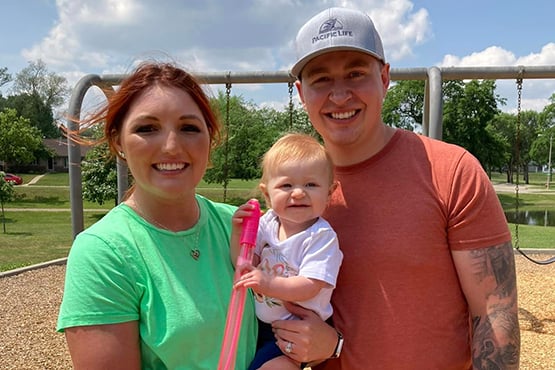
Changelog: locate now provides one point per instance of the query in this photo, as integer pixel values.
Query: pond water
(537, 218)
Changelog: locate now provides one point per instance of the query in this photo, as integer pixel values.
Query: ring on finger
(289, 347)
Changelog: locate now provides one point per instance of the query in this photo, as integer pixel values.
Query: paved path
(523, 188)
(34, 180)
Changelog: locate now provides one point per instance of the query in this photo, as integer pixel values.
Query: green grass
(527, 201)
(534, 237)
(233, 184)
(536, 180)
(38, 236)
(54, 179)
(529, 236)
(33, 237)
(26, 177)
(48, 197)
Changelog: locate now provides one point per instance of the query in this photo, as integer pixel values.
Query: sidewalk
(34, 180)
(523, 189)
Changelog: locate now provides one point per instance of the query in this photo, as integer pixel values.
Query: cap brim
(298, 67)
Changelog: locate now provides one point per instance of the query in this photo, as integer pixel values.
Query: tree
(530, 122)
(99, 175)
(18, 139)
(7, 193)
(504, 127)
(35, 79)
(36, 111)
(300, 121)
(468, 109)
(249, 132)
(543, 136)
(35, 93)
(548, 113)
(539, 150)
(5, 77)
(404, 105)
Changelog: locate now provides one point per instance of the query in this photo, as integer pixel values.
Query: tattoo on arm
(497, 262)
(488, 354)
(496, 338)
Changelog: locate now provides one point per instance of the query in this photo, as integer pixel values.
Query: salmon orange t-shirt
(398, 216)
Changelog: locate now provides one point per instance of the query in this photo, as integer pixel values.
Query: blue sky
(78, 37)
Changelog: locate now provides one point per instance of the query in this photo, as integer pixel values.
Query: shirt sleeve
(476, 218)
(322, 257)
(99, 286)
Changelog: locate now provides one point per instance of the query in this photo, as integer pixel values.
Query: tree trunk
(3, 218)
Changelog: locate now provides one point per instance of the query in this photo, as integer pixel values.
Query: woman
(148, 285)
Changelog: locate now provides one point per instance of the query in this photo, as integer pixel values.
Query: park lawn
(37, 236)
(48, 197)
(54, 179)
(536, 179)
(527, 201)
(533, 237)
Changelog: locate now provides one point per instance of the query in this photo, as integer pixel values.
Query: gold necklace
(194, 251)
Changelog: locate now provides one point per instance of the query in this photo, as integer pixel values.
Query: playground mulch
(30, 301)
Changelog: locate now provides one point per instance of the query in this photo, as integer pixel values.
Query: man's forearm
(496, 333)
(496, 342)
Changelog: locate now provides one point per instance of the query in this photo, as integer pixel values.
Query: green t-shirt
(124, 269)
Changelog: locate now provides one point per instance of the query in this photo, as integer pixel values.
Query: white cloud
(109, 36)
(545, 57)
(535, 93)
(216, 34)
(400, 26)
(492, 56)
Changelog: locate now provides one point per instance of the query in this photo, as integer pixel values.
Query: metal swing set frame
(432, 125)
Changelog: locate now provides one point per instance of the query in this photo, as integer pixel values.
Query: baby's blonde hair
(294, 147)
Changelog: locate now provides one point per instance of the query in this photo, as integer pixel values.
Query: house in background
(59, 162)
(54, 159)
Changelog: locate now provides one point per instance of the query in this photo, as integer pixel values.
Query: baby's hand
(253, 278)
(244, 210)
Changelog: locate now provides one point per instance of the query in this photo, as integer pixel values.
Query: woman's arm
(488, 280)
(100, 347)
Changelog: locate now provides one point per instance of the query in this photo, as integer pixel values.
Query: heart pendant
(195, 253)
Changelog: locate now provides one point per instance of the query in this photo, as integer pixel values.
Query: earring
(122, 154)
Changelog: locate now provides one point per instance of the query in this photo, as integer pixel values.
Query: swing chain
(517, 153)
(227, 97)
(227, 129)
(290, 88)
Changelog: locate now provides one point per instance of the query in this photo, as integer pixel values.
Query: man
(428, 278)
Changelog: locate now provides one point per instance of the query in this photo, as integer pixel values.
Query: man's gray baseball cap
(336, 29)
